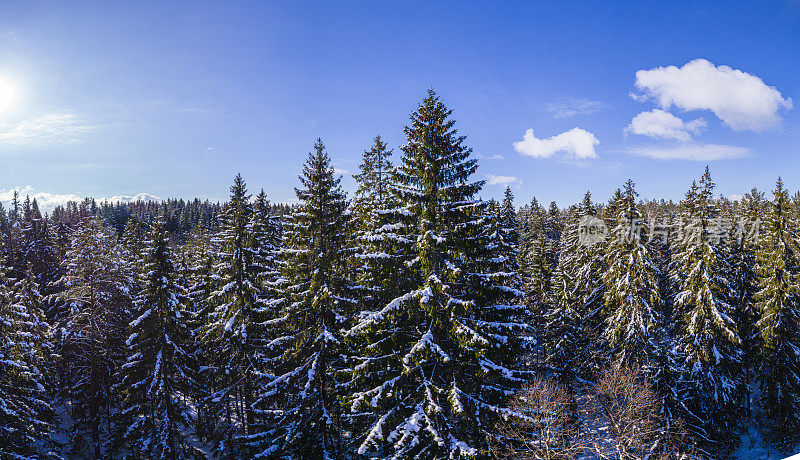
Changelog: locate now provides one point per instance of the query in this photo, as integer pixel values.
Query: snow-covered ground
(753, 447)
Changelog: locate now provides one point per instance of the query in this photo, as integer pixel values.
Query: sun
(7, 95)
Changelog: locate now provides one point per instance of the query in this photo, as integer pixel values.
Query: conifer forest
(408, 319)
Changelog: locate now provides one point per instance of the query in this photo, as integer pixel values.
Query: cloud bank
(576, 143)
(49, 201)
(741, 100)
(692, 152)
(131, 198)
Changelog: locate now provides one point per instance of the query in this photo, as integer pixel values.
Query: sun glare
(6, 95)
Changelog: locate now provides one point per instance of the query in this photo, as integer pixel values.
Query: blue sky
(171, 99)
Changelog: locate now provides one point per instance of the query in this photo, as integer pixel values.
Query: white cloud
(575, 106)
(54, 128)
(658, 123)
(491, 179)
(492, 157)
(48, 201)
(692, 152)
(576, 143)
(741, 100)
(736, 197)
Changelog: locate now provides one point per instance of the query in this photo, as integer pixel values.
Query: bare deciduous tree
(621, 415)
(540, 424)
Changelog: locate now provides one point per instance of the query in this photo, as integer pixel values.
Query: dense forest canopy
(409, 320)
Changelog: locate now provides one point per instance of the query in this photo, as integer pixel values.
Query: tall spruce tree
(96, 290)
(631, 295)
(159, 370)
(590, 265)
(197, 267)
(564, 342)
(303, 398)
(26, 415)
(266, 246)
(535, 273)
(498, 311)
(778, 301)
(743, 282)
(434, 400)
(233, 332)
(710, 339)
(379, 267)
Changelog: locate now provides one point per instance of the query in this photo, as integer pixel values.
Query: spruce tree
(563, 341)
(26, 415)
(743, 282)
(777, 300)
(710, 339)
(233, 330)
(508, 232)
(95, 290)
(303, 398)
(631, 295)
(553, 225)
(380, 271)
(159, 370)
(498, 311)
(535, 273)
(589, 267)
(434, 399)
(377, 263)
(197, 267)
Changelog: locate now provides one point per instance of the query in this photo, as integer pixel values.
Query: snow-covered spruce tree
(507, 238)
(159, 371)
(709, 335)
(304, 397)
(95, 289)
(35, 246)
(778, 301)
(233, 332)
(552, 227)
(564, 343)
(38, 348)
(28, 295)
(26, 414)
(378, 265)
(434, 400)
(497, 311)
(13, 249)
(503, 246)
(589, 267)
(132, 244)
(134, 237)
(197, 268)
(742, 248)
(631, 295)
(267, 235)
(380, 270)
(535, 273)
